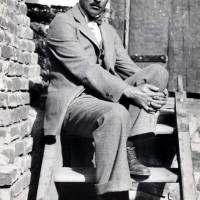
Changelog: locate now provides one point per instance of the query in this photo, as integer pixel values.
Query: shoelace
(132, 155)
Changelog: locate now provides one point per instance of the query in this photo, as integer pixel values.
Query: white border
(54, 2)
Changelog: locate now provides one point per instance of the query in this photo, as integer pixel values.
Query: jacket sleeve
(62, 42)
(124, 66)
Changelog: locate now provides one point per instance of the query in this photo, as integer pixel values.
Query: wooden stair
(173, 111)
(87, 175)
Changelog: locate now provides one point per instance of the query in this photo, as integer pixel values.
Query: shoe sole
(139, 174)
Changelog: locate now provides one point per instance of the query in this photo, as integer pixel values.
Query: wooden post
(186, 167)
(127, 19)
(46, 186)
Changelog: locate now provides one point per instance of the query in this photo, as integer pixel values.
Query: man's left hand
(159, 102)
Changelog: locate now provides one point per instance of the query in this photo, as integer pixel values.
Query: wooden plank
(118, 17)
(155, 191)
(127, 23)
(149, 27)
(193, 70)
(82, 175)
(185, 156)
(170, 103)
(162, 129)
(45, 191)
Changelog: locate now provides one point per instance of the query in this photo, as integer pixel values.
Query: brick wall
(18, 72)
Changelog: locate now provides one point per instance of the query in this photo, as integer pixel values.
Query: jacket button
(109, 96)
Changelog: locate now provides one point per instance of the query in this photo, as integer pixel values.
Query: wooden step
(163, 129)
(87, 175)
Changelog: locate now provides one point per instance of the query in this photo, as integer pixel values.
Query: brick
(2, 35)
(28, 58)
(24, 112)
(6, 194)
(3, 22)
(1, 8)
(19, 148)
(12, 99)
(0, 50)
(8, 52)
(33, 58)
(11, 4)
(15, 131)
(16, 42)
(23, 44)
(3, 134)
(23, 57)
(5, 117)
(27, 45)
(10, 133)
(31, 71)
(11, 39)
(4, 65)
(1, 83)
(15, 69)
(19, 114)
(4, 1)
(17, 99)
(16, 115)
(23, 20)
(3, 99)
(23, 163)
(8, 175)
(11, 26)
(22, 183)
(25, 98)
(26, 128)
(10, 116)
(14, 84)
(31, 46)
(26, 163)
(7, 154)
(28, 144)
(24, 32)
(23, 196)
(24, 84)
(6, 12)
(17, 83)
(21, 8)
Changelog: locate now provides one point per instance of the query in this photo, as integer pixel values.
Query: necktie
(98, 19)
(95, 30)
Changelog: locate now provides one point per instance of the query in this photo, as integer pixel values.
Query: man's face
(93, 7)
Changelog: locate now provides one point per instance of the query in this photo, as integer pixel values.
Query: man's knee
(117, 115)
(119, 112)
(117, 121)
(159, 76)
(159, 70)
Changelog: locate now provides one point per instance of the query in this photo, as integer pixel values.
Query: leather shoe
(135, 167)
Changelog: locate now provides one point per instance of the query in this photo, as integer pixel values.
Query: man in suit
(97, 91)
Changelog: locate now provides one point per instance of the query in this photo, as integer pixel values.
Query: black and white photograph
(99, 99)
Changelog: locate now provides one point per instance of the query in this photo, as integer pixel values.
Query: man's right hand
(146, 96)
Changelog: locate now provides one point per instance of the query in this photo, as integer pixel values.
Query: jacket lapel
(108, 45)
(83, 25)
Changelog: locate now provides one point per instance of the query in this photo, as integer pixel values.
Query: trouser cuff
(113, 186)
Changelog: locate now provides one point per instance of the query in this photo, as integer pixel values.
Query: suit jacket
(75, 56)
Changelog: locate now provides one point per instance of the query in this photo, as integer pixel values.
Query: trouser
(110, 124)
